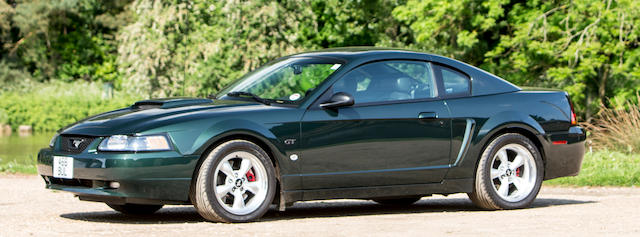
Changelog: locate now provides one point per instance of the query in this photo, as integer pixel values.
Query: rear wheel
(135, 209)
(236, 183)
(397, 201)
(509, 173)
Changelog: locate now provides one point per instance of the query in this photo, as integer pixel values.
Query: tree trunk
(603, 84)
(587, 110)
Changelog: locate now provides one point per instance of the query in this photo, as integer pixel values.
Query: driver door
(397, 132)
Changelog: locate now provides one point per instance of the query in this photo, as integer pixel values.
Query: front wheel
(509, 173)
(236, 183)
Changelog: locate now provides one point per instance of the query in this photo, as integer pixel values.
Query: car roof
(483, 83)
(359, 52)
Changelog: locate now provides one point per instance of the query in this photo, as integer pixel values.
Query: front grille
(75, 144)
(71, 182)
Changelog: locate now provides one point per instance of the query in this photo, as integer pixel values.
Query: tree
(68, 39)
(588, 48)
(462, 29)
(198, 47)
(358, 23)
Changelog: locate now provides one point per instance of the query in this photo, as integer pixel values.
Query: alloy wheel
(513, 172)
(240, 183)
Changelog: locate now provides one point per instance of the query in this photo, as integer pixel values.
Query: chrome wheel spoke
(517, 162)
(495, 173)
(238, 200)
(245, 165)
(504, 187)
(223, 190)
(227, 169)
(253, 187)
(502, 156)
(520, 184)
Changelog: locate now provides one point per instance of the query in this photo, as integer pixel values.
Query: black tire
(135, 209)
(397, 201)
(204, 196)
(484, 194)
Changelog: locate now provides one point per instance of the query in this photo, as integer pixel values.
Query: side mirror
(337, 100)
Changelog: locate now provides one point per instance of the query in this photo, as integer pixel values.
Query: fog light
(114, 184)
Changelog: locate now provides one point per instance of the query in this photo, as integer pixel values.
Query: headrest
(403, 84)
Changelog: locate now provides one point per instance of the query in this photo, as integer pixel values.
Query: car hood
(148, 114)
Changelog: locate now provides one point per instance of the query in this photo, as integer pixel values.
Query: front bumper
(564, 159)
(144, 178)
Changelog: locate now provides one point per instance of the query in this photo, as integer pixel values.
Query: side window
(388, 81)
(455, 83)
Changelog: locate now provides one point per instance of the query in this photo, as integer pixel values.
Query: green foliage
(12, 77)
(69, 39)
(588, 48)
(168, 52)
(463, 29)
(4, 117)
(357, 23)
(15, 167)
(49, 107)
(198, 47)
(605, 168)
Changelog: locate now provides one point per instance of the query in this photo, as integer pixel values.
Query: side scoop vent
(166, 103)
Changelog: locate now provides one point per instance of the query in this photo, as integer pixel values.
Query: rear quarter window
(455, 83)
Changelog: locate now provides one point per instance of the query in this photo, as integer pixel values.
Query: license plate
(63, 167)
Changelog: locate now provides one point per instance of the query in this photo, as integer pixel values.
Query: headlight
(135, 143)
(53, 140)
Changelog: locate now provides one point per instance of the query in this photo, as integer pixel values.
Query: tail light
(574, 121)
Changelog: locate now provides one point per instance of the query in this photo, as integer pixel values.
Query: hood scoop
(166, 103)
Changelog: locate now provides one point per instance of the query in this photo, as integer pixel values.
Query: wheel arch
(515, 127)
(246, 135)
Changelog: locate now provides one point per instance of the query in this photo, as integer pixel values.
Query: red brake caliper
(518, 172)
(250, 176)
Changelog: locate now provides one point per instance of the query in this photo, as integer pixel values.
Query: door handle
(428, 115)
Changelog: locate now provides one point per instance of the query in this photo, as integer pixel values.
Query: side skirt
(445, 187)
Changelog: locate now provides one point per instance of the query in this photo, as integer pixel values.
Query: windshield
(284, 81)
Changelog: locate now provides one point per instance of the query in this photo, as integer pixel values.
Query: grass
(605, 168)
(15, 167)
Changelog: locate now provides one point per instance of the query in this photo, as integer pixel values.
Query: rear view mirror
(337, 100)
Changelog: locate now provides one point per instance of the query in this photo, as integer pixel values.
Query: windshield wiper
(250, 95)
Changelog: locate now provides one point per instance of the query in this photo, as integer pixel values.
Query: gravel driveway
(27, 209)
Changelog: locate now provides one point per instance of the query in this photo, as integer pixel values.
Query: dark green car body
(386, 149)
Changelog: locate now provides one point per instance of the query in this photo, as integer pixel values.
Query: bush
(51, 106)
(3, 117)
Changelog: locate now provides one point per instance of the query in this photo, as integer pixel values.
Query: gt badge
(290, 141)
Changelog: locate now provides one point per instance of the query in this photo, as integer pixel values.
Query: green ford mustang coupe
(381, 124)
